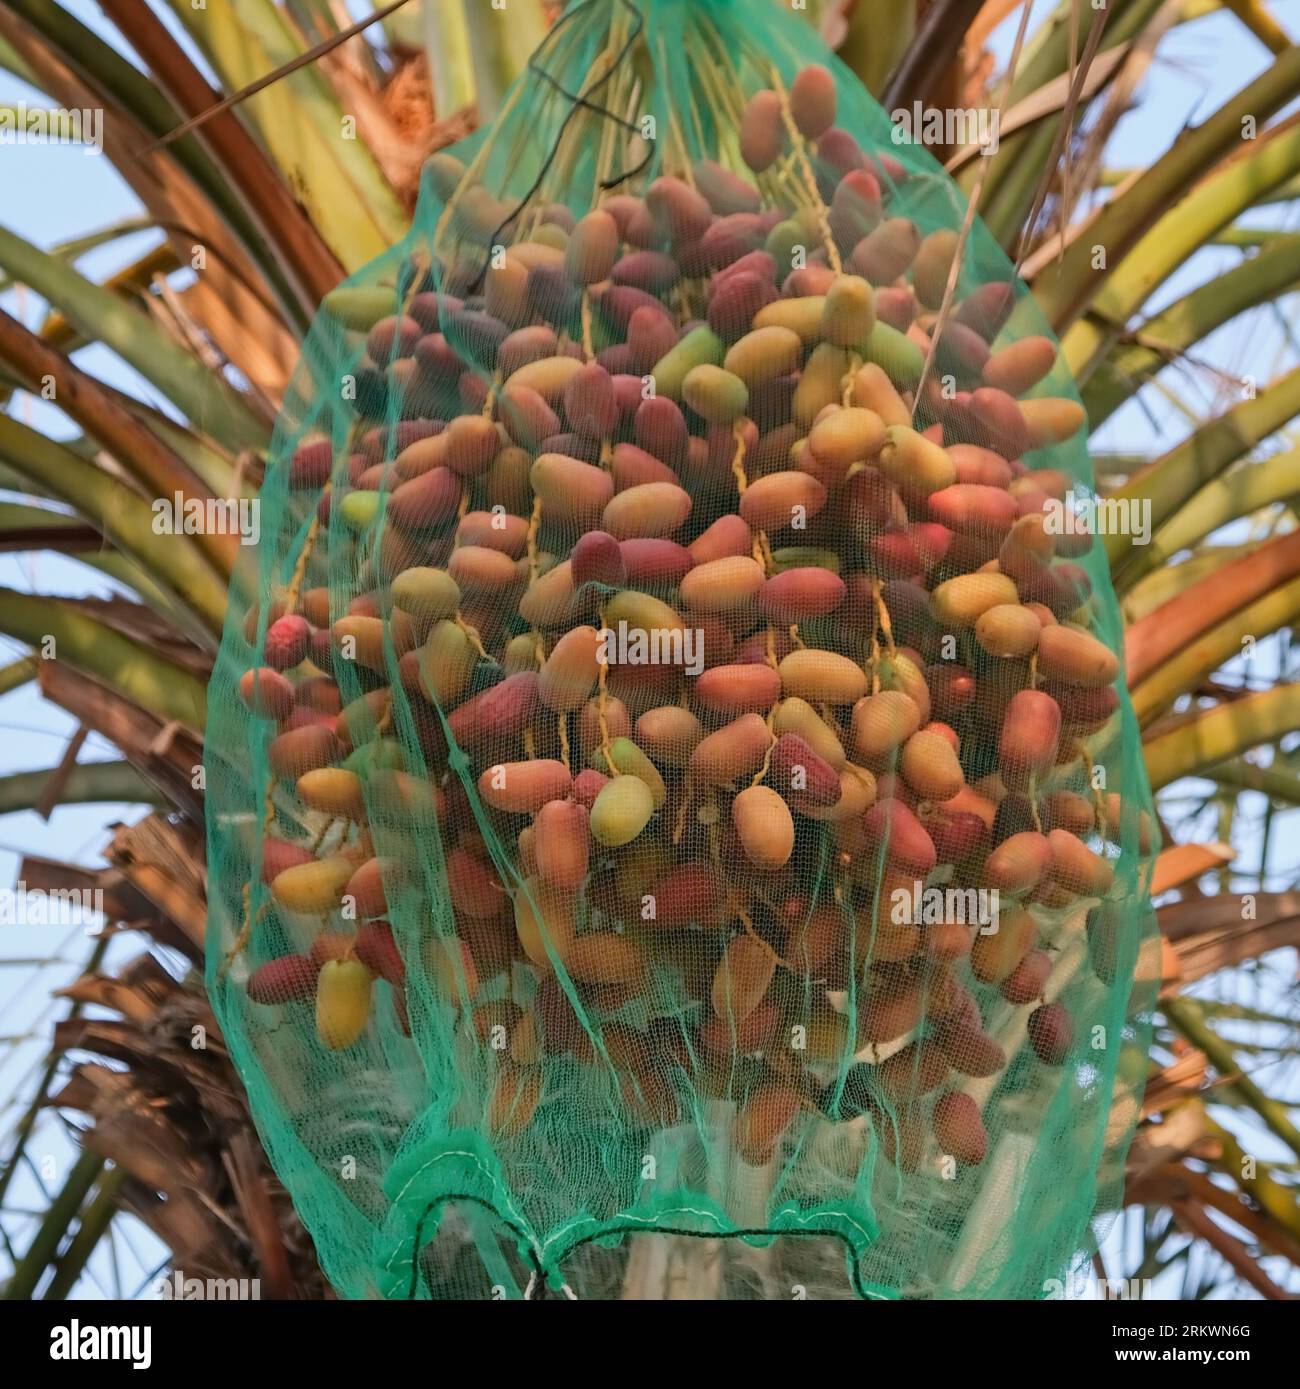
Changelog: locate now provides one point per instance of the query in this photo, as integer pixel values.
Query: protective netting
(670, 776)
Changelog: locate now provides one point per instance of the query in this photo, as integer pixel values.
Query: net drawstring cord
(580, 102)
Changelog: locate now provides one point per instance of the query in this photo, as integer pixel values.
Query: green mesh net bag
(676, 825)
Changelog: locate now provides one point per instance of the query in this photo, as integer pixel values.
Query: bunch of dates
(704, 608)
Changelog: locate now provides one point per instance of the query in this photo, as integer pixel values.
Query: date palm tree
(274, 190)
